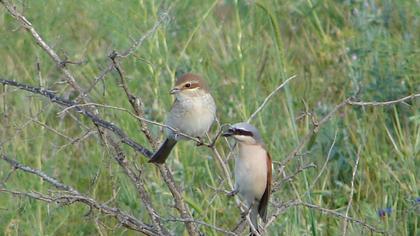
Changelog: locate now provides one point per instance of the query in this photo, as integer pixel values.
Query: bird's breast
(193, 116)
(251, 172)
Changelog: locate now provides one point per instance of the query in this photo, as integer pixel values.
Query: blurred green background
(245, 49)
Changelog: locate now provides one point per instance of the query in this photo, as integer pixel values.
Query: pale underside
(192, 115)
(251, 172)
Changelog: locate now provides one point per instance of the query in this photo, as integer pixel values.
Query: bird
(192, 113)
(253, 170)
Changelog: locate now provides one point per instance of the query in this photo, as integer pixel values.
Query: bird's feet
(232, 193)
(246, 212)
(200, 142)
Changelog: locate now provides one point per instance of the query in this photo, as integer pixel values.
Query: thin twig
(94, 118)
(163, 19)
(39, 173)
(385, 103)
(136, 104)
(27, 25)
(269, 97)
(280, 208)
(340, 215)
(178, 198)
(298, 149)
(325, 163)
(139, 184)
(287, 178)
(50, 128)
(67, 199)
(79, 139)
(72, 196)
(219, 229)
(351, 192)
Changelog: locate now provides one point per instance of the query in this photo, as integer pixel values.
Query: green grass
(336, 49)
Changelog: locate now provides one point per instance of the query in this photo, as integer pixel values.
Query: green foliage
(245, 49)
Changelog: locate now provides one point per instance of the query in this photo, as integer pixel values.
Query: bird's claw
(232, 193)
(200, 142)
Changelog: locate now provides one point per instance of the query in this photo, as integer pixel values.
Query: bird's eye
(188, 85)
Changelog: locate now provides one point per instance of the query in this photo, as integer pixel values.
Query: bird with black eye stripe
(253, 170)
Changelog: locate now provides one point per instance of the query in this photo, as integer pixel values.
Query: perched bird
(253, 170)
(192, 113)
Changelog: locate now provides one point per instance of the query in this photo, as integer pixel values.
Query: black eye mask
(241, 132)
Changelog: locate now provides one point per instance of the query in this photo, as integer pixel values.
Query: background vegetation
(245, 49)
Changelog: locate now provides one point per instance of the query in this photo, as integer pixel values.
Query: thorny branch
(94, 118)
(27, 25)
(343, 216)
(163, 19)
(139, 184)
(385, 103)
(136, 103)
(317, 124)
(71, 196)
(351, 192)
(45, 177)
(282, 207)
(269, 97)
(219, 229)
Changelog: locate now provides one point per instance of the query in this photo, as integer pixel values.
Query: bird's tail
(162, 153)
(253, 215)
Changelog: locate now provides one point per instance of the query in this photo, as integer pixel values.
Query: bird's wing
(262, 208)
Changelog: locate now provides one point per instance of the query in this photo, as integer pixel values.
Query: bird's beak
(174, 90)
(227, 133)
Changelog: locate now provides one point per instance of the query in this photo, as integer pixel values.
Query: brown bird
(192, 113)
(253, 170)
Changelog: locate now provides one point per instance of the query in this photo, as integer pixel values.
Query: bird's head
(189, 85)
(244, 133)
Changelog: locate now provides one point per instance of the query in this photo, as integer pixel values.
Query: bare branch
(95, 119)
(45, 177)
(179, 199)
(277, 185)
(325, 163)
(136, 104)
(139, 184)
(72, 196)
(385, 103)
(79, 139)
(163, 19)
(27, 25)
(351, 192)
(312, 132)
(348, 101)
(227, 232)
(280, 208)
(50, 128)
(269, 97)
(340, 215)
